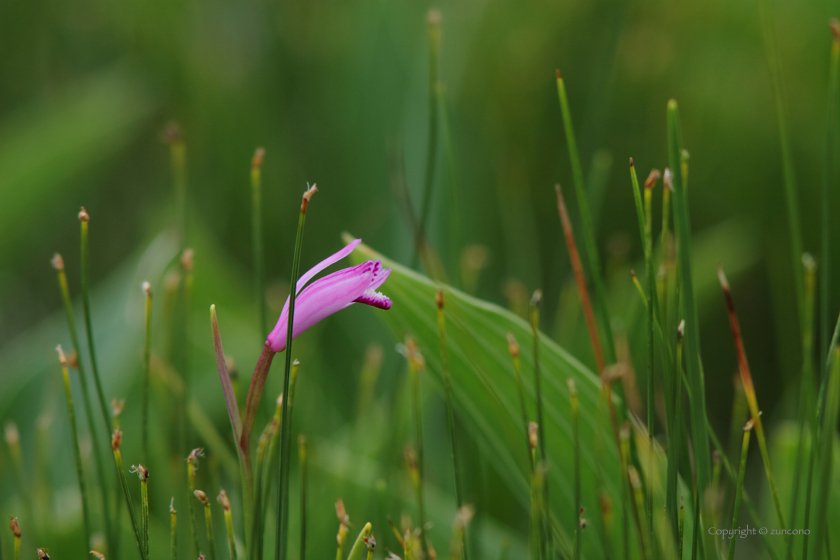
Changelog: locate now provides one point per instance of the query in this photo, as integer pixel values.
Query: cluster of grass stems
(674, 366)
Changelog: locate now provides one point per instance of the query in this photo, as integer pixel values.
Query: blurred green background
(337, 93)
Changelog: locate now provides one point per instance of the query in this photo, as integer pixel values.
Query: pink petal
(321, 299)
(325, 263)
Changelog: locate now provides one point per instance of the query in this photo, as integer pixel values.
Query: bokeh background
(338, 94)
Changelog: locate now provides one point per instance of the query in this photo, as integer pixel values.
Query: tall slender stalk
(116, 441)
(173, 530)
(749, 390)
(806, 401)
(694, 366)
(58, 264)
(536, 299)
(652, 297)
(575, 407)
(208, 524)
(84, 219)
(828, 179)
(285, 429)
(223, 499)
(15, 527)
(174, 136)
(831, 410)
(745, 447)
(417, 364)
(433, 19)
(147, 355)
(77, 453)
(788, 171)
(192, 465)
(513, 347)
(143, 475)
(257, 240)
(302, 461)
(586, 220)
(360, 544)
(450, 414)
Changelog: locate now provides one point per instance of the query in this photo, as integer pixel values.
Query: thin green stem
(682, 226)
(548, 545)
(257, 240)
(77, 453)
(147, 355)
(586, 219)
(58, 264)
(828, 179)
(651, 281)
(789, 173)
(208, 524)
(450, 415)
(745, 447)
(575, 407)
(231, 536)
(144, 497)
(192, 465)
(116, 440)
(173, 530)
(415, 366)
(359, 546)
(285, 428)
(828, 432)
(431, 151)
(302, 461)
(513, 347)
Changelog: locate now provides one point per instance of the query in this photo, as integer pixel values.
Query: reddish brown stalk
(743, 365)
(581, 282)
(252, 401)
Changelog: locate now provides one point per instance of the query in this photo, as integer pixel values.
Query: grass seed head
(14, 526)
(223, 499)
(116, 440)
(58, 264)
(202, 497)
(83, 215)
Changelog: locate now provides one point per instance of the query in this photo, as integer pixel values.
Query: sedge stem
(745, 447)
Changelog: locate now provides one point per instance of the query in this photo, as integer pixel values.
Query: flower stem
(147, 355)
(173, 530)
(548, 544)
(77, 453)
(192, 464)
(285, 428)
(84, 219)
(58, 264)
(223, 499)
(513, 347)
(450, 415)
(208, 524)
(745, 447)
(257, 240)
(116, 440)
(586, 219)
(303, 482)
(575, 407)
(431, 151)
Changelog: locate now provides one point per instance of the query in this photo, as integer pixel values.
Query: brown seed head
(834, 24)
(12, 434)
(194, 455)
(99, 555)
(147, 288)
(306, 196)
(116, 440)
(536, 299)
(14, 526)
(187, 260)
(439, 299)
(513, 346)
(749, 425)
(223, 499)
(58, 264)
(117, 406)
(172, 506)
(557, 73)
(83, 215)
(62, 359)
(533, 434)
(141, 472)
(434, 17)
(631, 162)
(257, 160)
(341, 513)
(202, 497)
(73, 360)
(652, 178)
(370, 542)
(42, 554)
(172, 133)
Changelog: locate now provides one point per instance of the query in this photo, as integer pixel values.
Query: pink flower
(330, 294)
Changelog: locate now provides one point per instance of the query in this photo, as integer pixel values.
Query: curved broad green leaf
(486, 398)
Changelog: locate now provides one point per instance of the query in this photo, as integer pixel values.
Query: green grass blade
(694, 366)
(828, 433)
